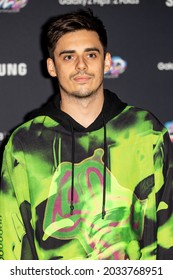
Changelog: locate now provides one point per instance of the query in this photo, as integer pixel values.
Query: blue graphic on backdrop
(118, 67)
(12, 5)
(169, 126)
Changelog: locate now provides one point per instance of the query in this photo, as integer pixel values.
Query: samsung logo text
(85, 2)
(13, 69)
(162, 66)
(119, 2)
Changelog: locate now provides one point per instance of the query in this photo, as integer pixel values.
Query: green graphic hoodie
(104, 192)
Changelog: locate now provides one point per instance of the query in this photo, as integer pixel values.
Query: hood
(112, 107)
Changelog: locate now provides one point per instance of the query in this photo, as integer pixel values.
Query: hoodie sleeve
(164, 199)
(14, 210)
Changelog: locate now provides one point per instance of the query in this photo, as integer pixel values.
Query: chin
(82, 95)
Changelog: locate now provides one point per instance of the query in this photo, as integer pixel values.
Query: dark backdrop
(140, 41)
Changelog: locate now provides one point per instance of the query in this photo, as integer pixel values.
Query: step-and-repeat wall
(140, 41)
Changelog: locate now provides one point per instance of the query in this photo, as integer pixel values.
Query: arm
(14, 209)
(164, 199)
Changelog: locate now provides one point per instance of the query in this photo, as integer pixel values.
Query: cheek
(100, 73)
(99, 70)
(62, 74)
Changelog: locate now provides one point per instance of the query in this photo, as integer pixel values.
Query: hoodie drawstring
(72, 176)
(104, 170)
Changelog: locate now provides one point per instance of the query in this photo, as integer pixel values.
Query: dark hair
(70, 22)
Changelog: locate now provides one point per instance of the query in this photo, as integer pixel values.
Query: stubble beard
(82, 93)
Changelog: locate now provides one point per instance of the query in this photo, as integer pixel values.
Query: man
(88, 177)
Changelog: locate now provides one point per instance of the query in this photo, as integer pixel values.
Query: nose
(81, 63)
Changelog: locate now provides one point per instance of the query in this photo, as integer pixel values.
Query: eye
(91, 55)
(69, 57)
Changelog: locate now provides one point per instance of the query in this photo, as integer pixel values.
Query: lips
(82, 78)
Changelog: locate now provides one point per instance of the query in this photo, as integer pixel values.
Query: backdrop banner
(140, 42)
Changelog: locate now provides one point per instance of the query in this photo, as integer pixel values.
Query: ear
(51, 67)
(108, 62)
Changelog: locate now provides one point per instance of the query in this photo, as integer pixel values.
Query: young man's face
(79, 64)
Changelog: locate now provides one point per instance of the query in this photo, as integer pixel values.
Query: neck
(83, 110)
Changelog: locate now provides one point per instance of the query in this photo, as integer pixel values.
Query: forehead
(79, 40)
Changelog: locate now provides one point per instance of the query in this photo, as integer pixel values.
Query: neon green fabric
(36, 187)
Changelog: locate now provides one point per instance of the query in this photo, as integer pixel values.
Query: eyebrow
(73, 51)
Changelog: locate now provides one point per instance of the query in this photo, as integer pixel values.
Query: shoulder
(30, 130)
(144, 117)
